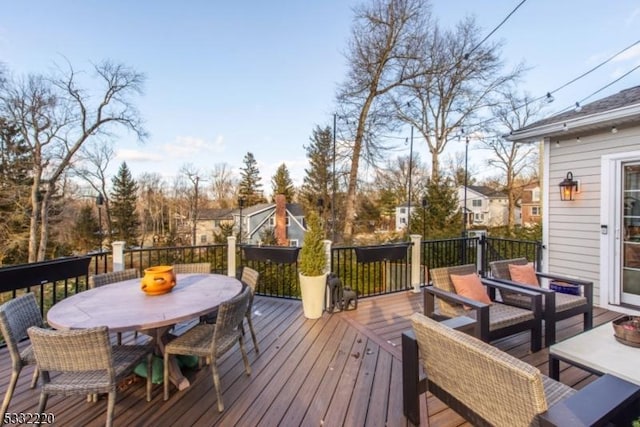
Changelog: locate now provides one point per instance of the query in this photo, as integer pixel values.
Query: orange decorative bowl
(158, 280)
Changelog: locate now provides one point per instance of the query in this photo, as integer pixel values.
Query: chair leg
(34, 379)
(149, 374)
(119, 341)
(166, 376)
(43, 402)
(253, 334)
(247, 366)
(111, 403)
(216, 383)
(9, 393)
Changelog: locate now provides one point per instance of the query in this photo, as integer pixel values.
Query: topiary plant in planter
(312, 268)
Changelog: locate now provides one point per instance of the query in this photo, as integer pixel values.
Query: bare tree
(194, 176)
(94, 159)
(459, 82)
(223, 185)
(513, 160)
(386, 42)
(55, 117)
(152, 205)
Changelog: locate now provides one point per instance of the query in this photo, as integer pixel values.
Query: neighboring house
(597, 235)
(286, 219)
(403, 213)
(209, 222)
(485, 207)
(531, 205)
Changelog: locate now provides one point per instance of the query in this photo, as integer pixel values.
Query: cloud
(629, 55)
(189, 146)
(127, 155)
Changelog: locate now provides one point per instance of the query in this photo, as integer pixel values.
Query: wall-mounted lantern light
(568, 187)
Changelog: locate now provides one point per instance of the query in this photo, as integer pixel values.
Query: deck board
(343, 369)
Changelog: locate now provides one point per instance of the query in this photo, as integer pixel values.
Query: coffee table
(596, 351)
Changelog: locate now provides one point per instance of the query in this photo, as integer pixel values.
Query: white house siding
(572, 229)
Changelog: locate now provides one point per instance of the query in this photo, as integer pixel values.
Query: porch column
(416, 260)
(118, 255)
(231, 256)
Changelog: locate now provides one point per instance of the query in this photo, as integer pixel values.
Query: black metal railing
(496, 249)
(373, 270)
(370, 270)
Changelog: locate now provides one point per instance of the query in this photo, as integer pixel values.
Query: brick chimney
(281, 220)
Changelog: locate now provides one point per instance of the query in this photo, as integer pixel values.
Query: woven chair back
(250, 277)
(16, 316)
(441, 279)
(98, 280)
(195, 267)
(500, 269)
(228, 323)
(75, 350)
(501, 389)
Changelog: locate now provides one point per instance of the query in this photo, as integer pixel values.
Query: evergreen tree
(281, 183)
(268, 237)
(250, 187)
(123, 206)
(15, 182)
(442, 217)
(317, 182)
(86, 232)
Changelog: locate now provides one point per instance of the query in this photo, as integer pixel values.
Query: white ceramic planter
(313, 289)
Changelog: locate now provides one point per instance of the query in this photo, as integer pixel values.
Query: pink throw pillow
(470, 286)
(523, 274)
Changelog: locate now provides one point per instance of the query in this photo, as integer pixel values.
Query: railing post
(327, 269)
(481, 253)
(118, 255)
(327, 253)
(231, 256)
(416, 260)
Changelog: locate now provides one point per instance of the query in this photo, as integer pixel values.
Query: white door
(629, 227)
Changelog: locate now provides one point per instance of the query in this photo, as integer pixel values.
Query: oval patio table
(123, 306)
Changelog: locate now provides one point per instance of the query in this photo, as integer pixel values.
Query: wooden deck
(340, 370)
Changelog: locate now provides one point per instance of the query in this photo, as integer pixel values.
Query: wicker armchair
(87, 363)
(103, 279)
(211, 341)
(489, 387)
(493, 321)
(555, 305)
(16, 316)
(196, 267)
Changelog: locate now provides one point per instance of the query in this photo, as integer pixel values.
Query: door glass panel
(631, 234)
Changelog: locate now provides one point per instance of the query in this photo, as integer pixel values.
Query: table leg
(554, 367)
(161, 337)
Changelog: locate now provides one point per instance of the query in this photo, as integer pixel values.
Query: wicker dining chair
(211, 341)
(103, 279)
(195, 267)
(87, 363)
(555, 305)
(493, 321)
(16, 316)
(249, 277)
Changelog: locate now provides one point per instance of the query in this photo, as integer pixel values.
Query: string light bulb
(565, 127)
(550, 98)
(578, 107)
(614, 130)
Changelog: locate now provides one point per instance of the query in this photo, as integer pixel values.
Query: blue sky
(225, 78)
